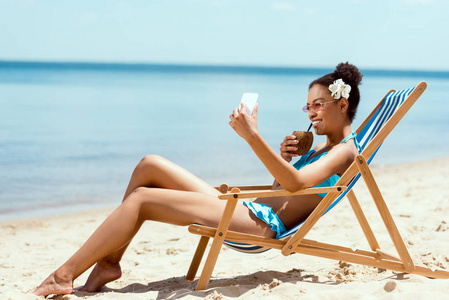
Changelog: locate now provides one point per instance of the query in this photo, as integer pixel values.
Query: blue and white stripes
(391, 104)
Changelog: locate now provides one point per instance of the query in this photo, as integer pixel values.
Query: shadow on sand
(178, 287)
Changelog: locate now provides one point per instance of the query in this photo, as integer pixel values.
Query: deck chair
(370, 134)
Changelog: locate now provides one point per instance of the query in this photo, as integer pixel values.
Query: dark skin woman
(161, 191)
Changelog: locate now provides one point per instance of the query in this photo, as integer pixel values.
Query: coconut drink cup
(305, 139)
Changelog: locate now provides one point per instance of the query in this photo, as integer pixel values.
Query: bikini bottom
(267, 214)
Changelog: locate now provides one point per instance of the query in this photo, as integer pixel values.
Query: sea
(72, 133)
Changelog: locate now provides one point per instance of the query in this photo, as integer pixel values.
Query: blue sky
(394, 34)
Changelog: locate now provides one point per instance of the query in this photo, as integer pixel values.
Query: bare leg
(152, 171)
(170, 206)
(164, 205)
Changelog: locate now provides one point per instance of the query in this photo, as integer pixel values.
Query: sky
(380, 34)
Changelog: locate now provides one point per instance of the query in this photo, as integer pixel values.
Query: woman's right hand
(289, 144)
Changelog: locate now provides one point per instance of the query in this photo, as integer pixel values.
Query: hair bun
(349, 73)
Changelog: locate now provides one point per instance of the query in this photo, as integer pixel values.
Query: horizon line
(177, 67)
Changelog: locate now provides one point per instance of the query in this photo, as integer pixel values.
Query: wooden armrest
(279, 193)
(224, 188)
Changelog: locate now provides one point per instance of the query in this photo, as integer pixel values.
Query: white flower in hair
(340, 89)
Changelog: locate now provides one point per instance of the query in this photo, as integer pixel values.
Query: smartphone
(250, 99)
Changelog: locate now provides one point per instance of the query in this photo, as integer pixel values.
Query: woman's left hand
(243, 124)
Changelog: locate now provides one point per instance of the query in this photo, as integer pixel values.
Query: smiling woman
(343, 83)
(159, 190)
(331, 106)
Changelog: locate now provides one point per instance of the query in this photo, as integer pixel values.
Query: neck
(335, 138)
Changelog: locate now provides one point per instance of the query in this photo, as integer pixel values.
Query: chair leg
(362, 221)
(385, 214)
(217, 244)
(194, 265)
(209, 266)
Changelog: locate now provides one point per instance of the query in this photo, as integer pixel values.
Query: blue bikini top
(303, 161)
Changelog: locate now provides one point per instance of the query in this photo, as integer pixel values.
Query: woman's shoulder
(346, 152)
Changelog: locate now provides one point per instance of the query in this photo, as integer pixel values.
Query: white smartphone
(250, 99)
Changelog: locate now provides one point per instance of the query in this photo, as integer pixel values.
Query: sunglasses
(316, 106)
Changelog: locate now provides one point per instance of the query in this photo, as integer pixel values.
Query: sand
(157, 260)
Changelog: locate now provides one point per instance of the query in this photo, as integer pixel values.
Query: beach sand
(155, 264)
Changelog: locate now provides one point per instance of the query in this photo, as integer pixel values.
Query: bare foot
(102, 273)
(55, 284)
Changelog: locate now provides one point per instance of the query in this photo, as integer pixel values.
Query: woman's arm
(288, 146)
(284, 173)
(335, 162)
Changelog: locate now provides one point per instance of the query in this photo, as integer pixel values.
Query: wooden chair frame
(297, 243)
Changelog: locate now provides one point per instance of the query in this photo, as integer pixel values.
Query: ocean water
(71, 134)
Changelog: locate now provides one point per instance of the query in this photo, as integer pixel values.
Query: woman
(161, 191)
